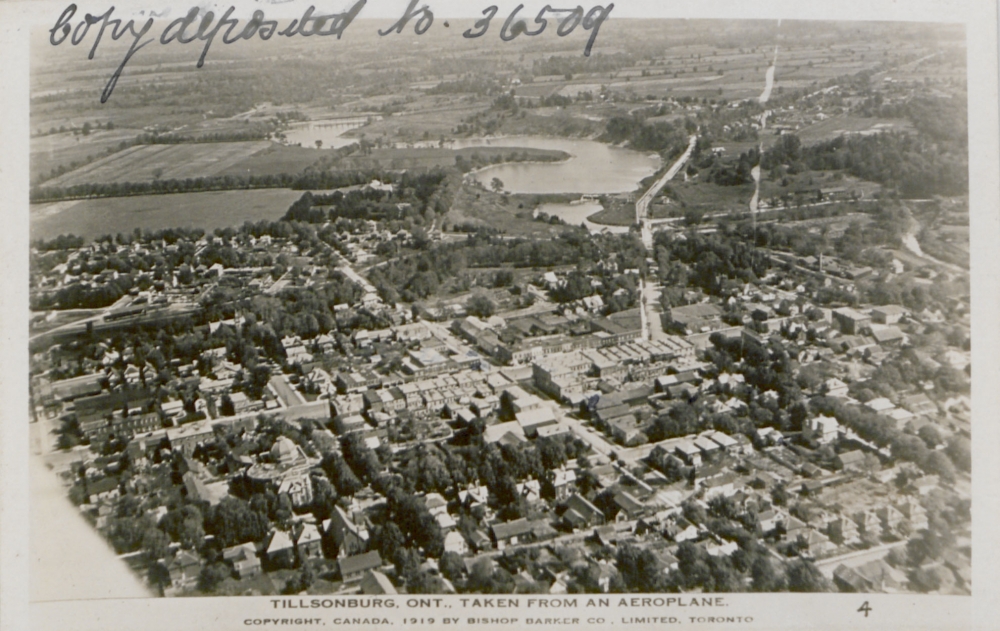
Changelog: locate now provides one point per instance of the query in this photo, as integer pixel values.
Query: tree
(930, 435)
(928, 545)
(938, 463)
(301, 581)
(226, 407)
(341, 475)
(481, 305)
(211, 575)
(924, 580)
(452, 566)
(638, 568)
(155, 543)
(692, 564)
(780, 494)
(158, 576)
(185, 525)
(764, 577)
(959, 449)
(804, 576)
(232, 522)
(496, 184)
(485, 578)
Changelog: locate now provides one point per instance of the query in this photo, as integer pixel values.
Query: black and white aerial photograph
(532, 303)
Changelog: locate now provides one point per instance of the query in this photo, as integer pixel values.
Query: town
(418, 378)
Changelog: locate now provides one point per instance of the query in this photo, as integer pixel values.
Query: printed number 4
(865, 608)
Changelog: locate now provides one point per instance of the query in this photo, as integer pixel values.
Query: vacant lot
(167, 162)
(91, 218)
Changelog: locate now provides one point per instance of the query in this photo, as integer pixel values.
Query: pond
(329, 132)
(594, 168)
(577, 213)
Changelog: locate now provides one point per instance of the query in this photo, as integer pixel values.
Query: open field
(479, 207)
(91, 218)
(168, 162)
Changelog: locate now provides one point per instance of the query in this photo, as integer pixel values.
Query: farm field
(150, 162)
(429, 124)
(62, 150)
(275, 160)
(92, 218)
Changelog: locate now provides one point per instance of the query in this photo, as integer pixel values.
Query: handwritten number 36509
(568, 20)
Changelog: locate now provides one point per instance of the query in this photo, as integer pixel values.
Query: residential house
(244, 559)
(629, 508)
(889, 336)
(510, 533)
(353, 568)
(350, 536)
(850, 461)
(868, 523)
(708, 447)
(851, 321)
(310, 542)
(626, 430)
(564, 481)
(889, 517)
(689, 453)
(455, 542)
(843, 530)
(581, 513)
(914, 513)
(888, 314)
(817, 543)
(184, 570)
(102, 489)
(769, 520)
(724, 484)
(728, 444)
(821, 429)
